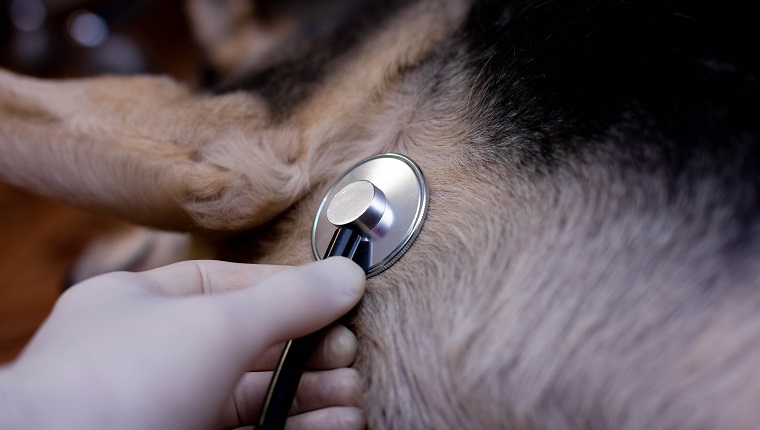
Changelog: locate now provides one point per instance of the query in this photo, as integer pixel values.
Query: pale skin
(187, 346)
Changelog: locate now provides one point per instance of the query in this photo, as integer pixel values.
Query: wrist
(15, 411)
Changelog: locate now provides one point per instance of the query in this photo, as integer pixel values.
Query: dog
(591, 255)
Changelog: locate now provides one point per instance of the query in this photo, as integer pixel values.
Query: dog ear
(233, 34)
(148, 149)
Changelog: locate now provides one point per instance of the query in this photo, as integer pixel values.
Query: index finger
(205, 277)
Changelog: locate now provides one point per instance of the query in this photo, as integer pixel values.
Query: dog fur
(590, 259)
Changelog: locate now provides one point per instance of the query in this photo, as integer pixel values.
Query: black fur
(287, 81)
(601, 213)
(678, 77)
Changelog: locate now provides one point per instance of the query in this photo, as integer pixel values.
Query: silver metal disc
(403, 184)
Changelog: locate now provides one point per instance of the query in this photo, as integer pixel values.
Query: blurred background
(40, 239)
(66, 38)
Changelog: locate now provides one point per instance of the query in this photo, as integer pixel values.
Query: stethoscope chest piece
(373, 213)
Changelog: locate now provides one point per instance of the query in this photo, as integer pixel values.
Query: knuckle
(81, 294)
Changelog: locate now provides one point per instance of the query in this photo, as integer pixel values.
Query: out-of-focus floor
(40, 239)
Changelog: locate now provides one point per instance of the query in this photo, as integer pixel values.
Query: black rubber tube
(287, 375)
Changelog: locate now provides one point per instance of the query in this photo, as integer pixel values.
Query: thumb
(294, 302)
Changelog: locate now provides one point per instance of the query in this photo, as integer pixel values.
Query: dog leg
(149, 150)
(152, 151)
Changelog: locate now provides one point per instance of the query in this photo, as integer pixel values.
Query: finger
(338, 348)
(292, 303)
(317, 390)
(335, 418)
(338, 387)
(205, 277)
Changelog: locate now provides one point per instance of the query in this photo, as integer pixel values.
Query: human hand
(164, 349)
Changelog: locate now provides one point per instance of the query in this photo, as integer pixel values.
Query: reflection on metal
(384, 200)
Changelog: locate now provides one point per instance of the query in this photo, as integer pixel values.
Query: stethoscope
(371, 215)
